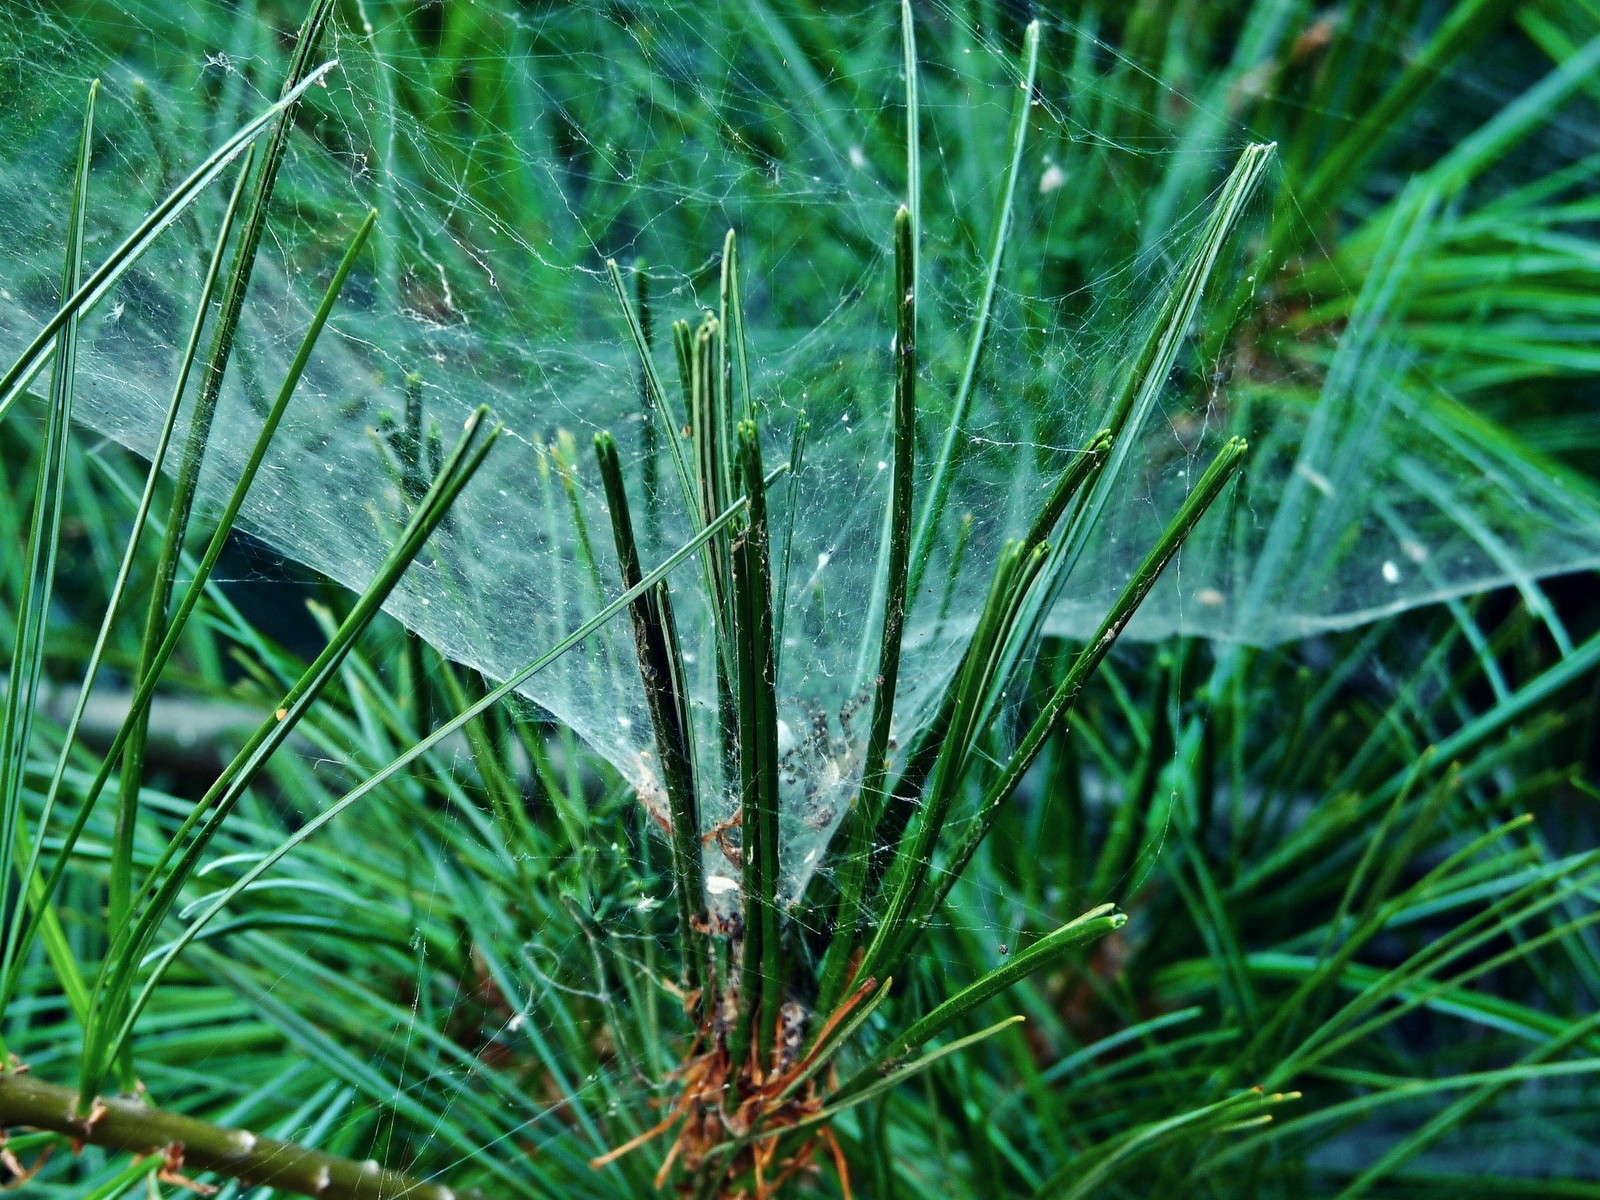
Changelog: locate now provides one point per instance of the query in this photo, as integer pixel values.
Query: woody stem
(126, 1124)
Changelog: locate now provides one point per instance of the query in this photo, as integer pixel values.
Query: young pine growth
(781, 995)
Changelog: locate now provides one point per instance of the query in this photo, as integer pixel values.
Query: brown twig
(132, 1125)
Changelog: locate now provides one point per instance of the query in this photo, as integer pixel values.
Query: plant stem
(666, 694)
(124, 1124)
(186, 485)
(875, 768)
(758, 758)
(938, 489)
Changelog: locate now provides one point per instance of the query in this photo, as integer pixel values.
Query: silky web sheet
(586, 133)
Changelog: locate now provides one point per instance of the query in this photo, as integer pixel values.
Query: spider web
(642, 134)
(583, 133)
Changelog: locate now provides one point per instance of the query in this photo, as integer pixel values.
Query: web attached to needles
(510, 150)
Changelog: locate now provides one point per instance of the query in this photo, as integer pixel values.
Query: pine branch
(194, 1145)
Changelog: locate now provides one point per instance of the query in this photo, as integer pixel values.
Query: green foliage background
(1358, 869)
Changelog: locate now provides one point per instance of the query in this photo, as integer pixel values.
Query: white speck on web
(1314, 477)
